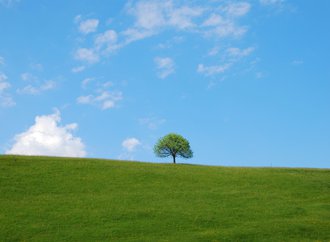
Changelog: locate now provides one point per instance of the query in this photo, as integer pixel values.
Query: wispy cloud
(231, 56)
(237, 53)
(237, 9)
(130, 144)
(47, 137)
(6, 100)
(34, 90)
(183, 17)
(88, 55)
(271, 2)
(153, 17)
(171, 42)
(9, 3)
(86, 81)
(78, 69)
(222, 28)
(133, 34)
(102, 43)
(2, 60)
(129, 147)
(88, 26)
(152, 123)
(220, 22)
(214, 51)
(212, 70)
(103, 99)
(3, 82)
(223, 23)
(278, 5)
(149, 14)
(36, 85)
(165, 66)
(107, 41)
(28, 77)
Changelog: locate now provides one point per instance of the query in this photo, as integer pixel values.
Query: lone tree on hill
(173, 145)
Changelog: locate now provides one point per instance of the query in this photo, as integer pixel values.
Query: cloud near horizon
(130, 144)
(47, 137)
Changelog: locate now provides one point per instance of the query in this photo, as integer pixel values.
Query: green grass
(65, 199)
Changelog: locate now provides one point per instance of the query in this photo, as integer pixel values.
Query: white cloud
(232, 55)
(227, 28)
(3, 82)
(78, 69)
(5, 99)
(149, 14)
(104, 99)
(213, 20)
(153, 16)
(223, 23)
(133, 34)
(237, 9)
(234, 52)
(47, 137)
(107, 84)
(182, 18)
(214, 51)
(107, 40)
(165, 66)
(2, 60)
(130, 144)
(35, 85)
(212, 70)
(88, 55)
(86, 81)
(88, 26)
(89, 99)
(34, 90)
(28, 77)
(107, 104)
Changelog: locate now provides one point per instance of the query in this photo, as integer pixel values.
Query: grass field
(65, 199)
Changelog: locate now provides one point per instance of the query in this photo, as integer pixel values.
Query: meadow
(76, 199)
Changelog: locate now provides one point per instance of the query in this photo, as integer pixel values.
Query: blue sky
(246, 82)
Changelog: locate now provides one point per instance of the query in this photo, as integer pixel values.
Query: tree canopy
(173, 145)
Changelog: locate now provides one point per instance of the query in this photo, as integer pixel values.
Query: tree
(173, 145)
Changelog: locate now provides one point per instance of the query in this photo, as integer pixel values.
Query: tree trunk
(173, 159)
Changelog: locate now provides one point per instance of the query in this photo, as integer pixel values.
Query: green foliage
(173, 145)
(63, 199)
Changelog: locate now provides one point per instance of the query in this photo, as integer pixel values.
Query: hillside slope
(65, 199)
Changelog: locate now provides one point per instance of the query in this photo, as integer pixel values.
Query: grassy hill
(65, 199)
